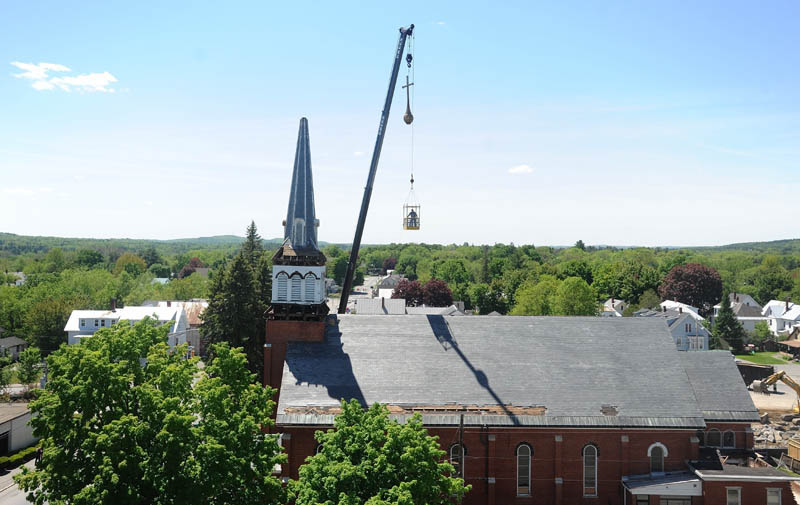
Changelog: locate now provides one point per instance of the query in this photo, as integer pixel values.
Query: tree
(337, 269)
(772, 281)
(193, 265)
(649, 299)
(151, 256)
(369, 459)
(159, 270)
(89, 258)
(130, 263)
(761, 332)
(574, 297)
(727, 327)
(119, 429)
(580, 245)
(488, 298)
(537, 299)
(28, 368)
(411, 291)
(694, 284)
(237, 306)
(388, 264)
(253, 246)
(435, 293)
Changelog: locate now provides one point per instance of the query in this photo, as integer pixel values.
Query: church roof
(718, 386)
(535, 371)
(300, 227)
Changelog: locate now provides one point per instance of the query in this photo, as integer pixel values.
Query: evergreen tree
(253, 248)
(727, 327)
(237, 307)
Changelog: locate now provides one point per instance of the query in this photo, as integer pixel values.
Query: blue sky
(669, 123)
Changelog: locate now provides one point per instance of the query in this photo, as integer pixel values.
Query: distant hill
(12, 244)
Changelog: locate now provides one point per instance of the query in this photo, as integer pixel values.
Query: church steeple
(300, 227)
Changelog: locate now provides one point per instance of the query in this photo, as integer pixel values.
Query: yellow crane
(763, 386)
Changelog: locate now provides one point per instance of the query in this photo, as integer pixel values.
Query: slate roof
(718, 386)
(11, 342)
(742, 310)
(373, 306)
(301, 223)
(733, 472)
(451, 310)
(440, 362)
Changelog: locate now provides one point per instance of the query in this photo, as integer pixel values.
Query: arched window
(713, 438)
(283, 282)
(296, 280)
(657, 452)
(728, 440)
(523, 470)
(310, 290)
(590, 470)
(457, 454)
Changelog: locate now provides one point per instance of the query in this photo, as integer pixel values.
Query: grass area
(764, 358)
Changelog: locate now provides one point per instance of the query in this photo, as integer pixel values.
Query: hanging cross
(408, 117)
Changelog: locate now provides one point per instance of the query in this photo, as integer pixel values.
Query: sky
(623, 123)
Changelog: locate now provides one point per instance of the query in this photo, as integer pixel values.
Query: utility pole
(373, 167)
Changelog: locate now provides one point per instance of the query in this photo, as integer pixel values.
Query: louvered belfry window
(296, 288)
(310, 291)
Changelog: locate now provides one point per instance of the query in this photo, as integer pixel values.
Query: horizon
(540, 124)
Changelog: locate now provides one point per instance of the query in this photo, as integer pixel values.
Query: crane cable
(411, 69)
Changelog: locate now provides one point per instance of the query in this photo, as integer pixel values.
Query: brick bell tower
(299, 307)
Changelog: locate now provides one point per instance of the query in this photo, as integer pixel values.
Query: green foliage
(574, 297)
(369, 460)
(130, 263)
(728, 328)
(336, 269)
(772, 281)
(159, 270)
(761, 332)
(89, 258)
(28, 369)
(649, 299)
(537, 299)
(118, 429)
(20, 456)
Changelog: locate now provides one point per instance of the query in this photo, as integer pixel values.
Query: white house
(15, 430)
(682, 307)
(614, 307)
(746, 310)
(782, 316)
(83, 323)
(385, 286)
(685, 328)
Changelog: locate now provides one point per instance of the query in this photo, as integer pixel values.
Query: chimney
(664, 308)
(113, 305)
(612, 301)
(383, 302)
(787, 304)
(680, 310)
(169, 303)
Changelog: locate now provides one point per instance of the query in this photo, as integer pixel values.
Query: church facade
(532, 410)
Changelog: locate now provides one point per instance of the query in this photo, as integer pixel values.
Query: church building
(532, 410)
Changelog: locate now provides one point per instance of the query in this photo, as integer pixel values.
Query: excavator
(763, 386)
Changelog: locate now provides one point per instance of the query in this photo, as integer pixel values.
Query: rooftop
(718, 387)
(127, 313)
(438, 365)
(9, 411)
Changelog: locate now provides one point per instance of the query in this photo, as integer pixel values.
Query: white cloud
(440, 22)
(38, 73)
(358, 153)
(23, 191)
(520, 169)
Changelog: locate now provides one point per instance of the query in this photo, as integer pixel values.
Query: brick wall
(753, 493)
(491, 453)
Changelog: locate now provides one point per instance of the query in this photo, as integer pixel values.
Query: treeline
(544, 280)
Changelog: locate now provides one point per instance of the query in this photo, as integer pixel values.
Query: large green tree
(574, 297)
(125, 421)
(537, 299)
(727, 327)
(369, 459)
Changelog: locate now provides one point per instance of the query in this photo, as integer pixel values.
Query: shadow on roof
(444, 335)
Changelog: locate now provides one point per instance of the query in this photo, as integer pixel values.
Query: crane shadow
(444, 335)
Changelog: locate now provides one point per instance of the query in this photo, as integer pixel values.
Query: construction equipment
(763, 386)
(373, 167)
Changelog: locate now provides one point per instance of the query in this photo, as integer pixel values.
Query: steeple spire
(301, 222)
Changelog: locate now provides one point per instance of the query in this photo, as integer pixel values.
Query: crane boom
(373, 167)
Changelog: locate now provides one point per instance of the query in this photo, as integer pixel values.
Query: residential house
(616, 428)
(15, 430)
(682, 307)
(687, 331)
(385, 286)
(84, 323)
(12, 346)
(746, 310)
(194, 311)
(781, 316)
(613, 307)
